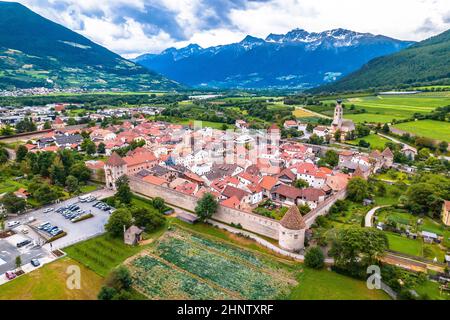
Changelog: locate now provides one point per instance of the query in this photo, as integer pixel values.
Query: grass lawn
(406, 218)
(88, 188)
(206, 229)
(328, 285)
(49, 283)
(9, 185)
(405, 245)
(376, 141)
(437, 130)
(431, 289)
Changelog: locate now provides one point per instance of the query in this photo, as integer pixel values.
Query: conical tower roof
(115, 160)
(293, 219)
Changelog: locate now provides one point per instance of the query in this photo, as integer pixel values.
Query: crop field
(437, 130)
(302, 113)
(186, 266)
(101, 254)
(386, 108)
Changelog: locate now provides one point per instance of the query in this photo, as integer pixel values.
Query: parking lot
(9, 252)
(75, 231)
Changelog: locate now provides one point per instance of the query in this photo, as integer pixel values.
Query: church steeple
(338, 115)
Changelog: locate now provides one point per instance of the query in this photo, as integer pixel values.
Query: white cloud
(201, 20)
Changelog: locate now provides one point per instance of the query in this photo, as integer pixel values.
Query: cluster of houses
(240, 169)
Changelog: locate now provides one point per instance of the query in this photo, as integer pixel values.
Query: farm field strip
(213, 265)
(174, 282)
(230, 253)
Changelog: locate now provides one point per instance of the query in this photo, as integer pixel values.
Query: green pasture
(437, 130)
(386, 108)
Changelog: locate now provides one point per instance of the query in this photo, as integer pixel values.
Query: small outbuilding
(187, 217)
(133, 235)
(429, 237)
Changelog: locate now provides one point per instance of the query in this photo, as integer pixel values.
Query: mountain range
(297, 59)
(427, 62)
(36, 52)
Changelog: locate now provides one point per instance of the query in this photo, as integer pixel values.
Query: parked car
(31, 219)
(23, 243)
(48, 210)
(35, 262)
(10, 275)
(43, 225)
(12, 224)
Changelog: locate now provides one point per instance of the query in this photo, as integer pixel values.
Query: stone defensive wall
(249, 221)
(323, 208)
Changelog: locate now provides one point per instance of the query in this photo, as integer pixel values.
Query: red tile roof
(231, 191)
(268, 182)
(232, 202)
(155, 180)
(115, 160)
(288, 191)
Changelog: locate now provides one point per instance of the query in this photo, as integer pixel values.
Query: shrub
(106, 293)
(314, 258)
(119, 279)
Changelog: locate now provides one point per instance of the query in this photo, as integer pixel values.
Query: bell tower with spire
(338, 115)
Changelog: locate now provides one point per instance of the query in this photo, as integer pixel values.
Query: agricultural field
(186, 266)
(49, 283)
(101, 254)
(437, 130)
(210, 124)
(386, 108)
(376, 141)
(302, 113)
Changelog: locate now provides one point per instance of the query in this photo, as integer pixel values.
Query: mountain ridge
(426, 62)
(34, 51)
(296, 59)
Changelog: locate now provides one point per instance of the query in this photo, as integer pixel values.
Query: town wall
(251, 222)
(248, 221)
(323, 208)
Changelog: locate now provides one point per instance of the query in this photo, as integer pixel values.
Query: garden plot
(186, 266)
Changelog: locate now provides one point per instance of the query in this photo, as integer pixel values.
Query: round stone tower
(115, 167)
(292, 230)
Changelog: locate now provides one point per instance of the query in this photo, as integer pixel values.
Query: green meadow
(386, 108)
(376, 141)
(437, 130)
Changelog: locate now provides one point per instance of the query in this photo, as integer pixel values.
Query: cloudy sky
(133, 27)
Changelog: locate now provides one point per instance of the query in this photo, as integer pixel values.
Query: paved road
(369, 216)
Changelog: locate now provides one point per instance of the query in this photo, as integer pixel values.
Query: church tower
(338, 115)
(115, 167)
